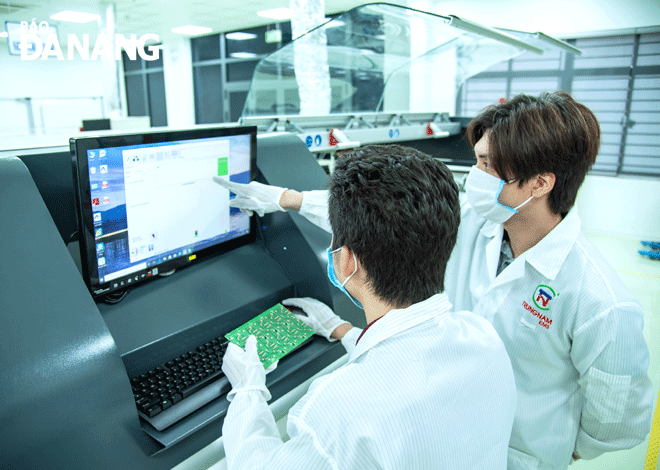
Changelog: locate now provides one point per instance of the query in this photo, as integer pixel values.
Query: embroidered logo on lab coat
(544, 321)
(542, 297)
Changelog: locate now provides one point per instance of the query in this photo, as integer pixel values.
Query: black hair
(397, 210)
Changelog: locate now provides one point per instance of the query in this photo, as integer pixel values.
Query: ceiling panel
(155, 16)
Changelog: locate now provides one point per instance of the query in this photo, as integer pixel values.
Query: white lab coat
(425, 388)
(581, 365)
(574, 336)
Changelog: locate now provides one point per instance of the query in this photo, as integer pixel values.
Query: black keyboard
(167, 385)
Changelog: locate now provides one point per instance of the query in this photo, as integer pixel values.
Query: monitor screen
(147, 203)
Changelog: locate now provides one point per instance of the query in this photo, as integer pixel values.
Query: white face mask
(483, 192)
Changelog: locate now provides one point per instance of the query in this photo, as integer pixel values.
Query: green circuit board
(277, 330)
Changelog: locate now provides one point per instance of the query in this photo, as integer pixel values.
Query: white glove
(257, 197)
(244, 369)
(320, 317)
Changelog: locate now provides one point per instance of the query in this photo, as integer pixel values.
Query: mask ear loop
(519, 206)
(354, 271)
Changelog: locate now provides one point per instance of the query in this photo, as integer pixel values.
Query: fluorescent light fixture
(75, 16)
(243, 55)
(4, 34)
(276, 13)
(191, 30)
(240, 36)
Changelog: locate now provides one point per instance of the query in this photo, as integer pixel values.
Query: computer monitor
(147, 203)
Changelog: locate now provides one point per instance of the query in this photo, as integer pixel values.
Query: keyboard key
(153, 411)
(199, 384)
(168, 384)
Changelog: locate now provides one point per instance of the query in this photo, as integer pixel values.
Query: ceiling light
(243, 55)
(191, 30)
(240, 36)
(75, 17)
(276, 13)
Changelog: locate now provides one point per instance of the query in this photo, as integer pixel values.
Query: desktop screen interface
(156, 202)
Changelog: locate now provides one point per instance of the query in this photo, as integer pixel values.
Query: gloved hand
(244, 369)
(257, 197)
(320, 317)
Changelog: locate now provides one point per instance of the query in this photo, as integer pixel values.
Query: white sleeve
(252, 441)
(314, 208)
(350, 339)
(612, 357)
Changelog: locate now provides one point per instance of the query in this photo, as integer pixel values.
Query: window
(617, 77)
(145, 88)
(223, 65)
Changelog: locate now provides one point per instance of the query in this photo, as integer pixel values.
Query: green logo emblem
(542, 297)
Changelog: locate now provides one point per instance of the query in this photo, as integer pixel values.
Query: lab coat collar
(493, 248)
(398, 320)
(548, 255)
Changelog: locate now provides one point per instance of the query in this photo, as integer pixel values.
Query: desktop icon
(97, 216)
(106, 200)
(91, 154)
(103, 168)
(98, 232)
(104, 185)
(101, 153)
(96, 201)
(99, 246)
(101, 261)
(95, 186)
(92, 170)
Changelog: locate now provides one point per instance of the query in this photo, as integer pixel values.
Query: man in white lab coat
(573, 332)
(425, 387)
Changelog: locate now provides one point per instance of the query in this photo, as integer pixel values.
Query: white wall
(177, 68)
(62, 92)
(65, 92)
(623, 206)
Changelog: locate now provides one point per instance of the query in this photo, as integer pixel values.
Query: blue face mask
(335, 282)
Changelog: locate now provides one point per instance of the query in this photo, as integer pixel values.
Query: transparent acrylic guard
(376, 58)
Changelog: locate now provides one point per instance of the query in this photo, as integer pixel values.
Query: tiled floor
(641, 276)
